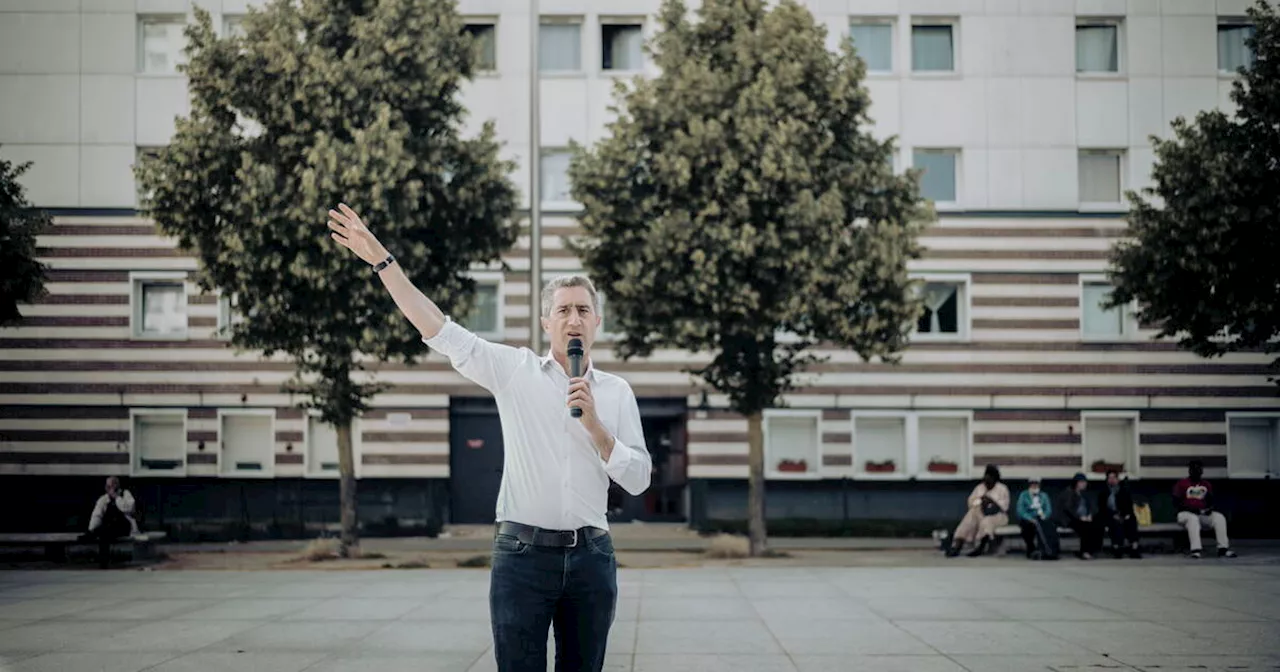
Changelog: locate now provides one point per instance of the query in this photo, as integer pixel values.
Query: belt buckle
(575, 538)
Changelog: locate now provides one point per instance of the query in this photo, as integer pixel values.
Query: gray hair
(549, 291)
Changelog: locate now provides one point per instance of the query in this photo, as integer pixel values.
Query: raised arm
(352, 234)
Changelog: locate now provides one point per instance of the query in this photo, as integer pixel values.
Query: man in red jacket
(1194, 497)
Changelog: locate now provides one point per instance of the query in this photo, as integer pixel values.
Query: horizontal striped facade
(1024, 378)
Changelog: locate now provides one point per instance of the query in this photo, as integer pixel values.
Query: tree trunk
(350, 537)
(755, 494)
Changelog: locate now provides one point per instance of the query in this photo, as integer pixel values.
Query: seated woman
(1035, 517)
(988, 509)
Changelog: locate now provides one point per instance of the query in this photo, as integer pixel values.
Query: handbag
(1142, 512)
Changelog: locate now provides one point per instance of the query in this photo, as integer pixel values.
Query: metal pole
(535, 194)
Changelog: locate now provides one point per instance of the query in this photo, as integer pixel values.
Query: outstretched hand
(352, 234)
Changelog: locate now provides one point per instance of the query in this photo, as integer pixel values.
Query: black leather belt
(536, 536)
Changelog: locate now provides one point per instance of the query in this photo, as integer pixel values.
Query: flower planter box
(944, 468)
(1102, 467)
(881, 467)
(794, 466)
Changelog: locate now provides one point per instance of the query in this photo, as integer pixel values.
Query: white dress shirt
(124, 502)
(552, 475)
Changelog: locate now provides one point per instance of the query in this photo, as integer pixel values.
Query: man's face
(1081, 485)
(1034, 488)
(1112, 480)
(573, 315)
(113, 484)
(1196, 472)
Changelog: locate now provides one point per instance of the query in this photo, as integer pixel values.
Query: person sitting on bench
(988, 509)
(1194, 496)
(112, 518)
(1076, 510)
(1035, 518)
(1115, 512)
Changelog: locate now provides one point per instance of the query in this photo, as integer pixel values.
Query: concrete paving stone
(976, 638)
(440, 636)
(1258, 638)
(1202, 663)
(242, 609)
(40, 608)
(297, 636)
(732, 637)
(404, 662)
(813, 608)
(212, 661)
(449, 609)
(355, 609)
(1039, 609)
(931, 608)
(696, 608)
(167, 635)
(845, 663)
(622, 637)
(847, 637)
(51, 636)
(712, 663)
(627, 609)
(710, 589)
(89, 662)
(755, 589)
(467, 590)
(25, 591)
(1040, 663)
(408, 589)
(1115, 638)
(612, 663)
(307, 590)
(138, 610)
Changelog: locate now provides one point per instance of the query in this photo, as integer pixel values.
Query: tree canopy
(21, 276)
(1201, 262)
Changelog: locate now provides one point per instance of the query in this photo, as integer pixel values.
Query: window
(943, 446)
(233, 25)
(560, 46)
(322, 447)
(485, 318)
(1233, 52)
(792, 444)
(874, 42)
(1111, 443)
(159, 305)
(938, 183)
(945, 315)
(605, 331)
(880, 445)
(1099, 173)
(1098, 323)
(1098, 47)
(247, 441)
(554, 175)
(621, 46)
(160, 43)
(933, 47)
(1253, 446)
(158, 441)
(228, 315)
(485, 38)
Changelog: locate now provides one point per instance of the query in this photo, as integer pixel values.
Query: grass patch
(320, 550)
(728, 546)
(417, 563)
(475, 561)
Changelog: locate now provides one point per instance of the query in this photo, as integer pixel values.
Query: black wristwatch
(383, 264)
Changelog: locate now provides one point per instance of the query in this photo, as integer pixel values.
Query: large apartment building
(1030, 118)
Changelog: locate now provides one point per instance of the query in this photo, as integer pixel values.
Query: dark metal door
(475, 464)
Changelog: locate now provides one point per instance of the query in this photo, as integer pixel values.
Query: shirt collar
(549, 362)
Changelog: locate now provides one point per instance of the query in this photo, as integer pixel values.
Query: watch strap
(383, 264)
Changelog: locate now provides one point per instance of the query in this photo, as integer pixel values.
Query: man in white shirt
(112, 518)
(553, 560)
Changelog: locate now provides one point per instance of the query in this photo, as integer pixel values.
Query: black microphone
(575, 368)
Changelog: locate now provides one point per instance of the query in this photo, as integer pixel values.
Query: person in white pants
(1194, 496)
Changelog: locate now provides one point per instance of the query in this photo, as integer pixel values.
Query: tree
(324, 101)
(21, 276)
(1201, 259)
(741, 207)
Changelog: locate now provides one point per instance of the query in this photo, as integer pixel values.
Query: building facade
(1030, 118)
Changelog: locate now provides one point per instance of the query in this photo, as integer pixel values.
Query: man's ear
(546, 324)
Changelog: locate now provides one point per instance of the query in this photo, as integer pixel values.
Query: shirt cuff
(447, 339)
(619, 458)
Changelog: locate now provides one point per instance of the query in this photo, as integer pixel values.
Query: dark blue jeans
(535, 587)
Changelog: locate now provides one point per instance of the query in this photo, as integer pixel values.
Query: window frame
(927, 21)
(564, 19)
(1131, 471)
(140, 67)
(892, 24)
(135, 461)
(914, 467)
(964, 306)
(1122, 165)
(1129, 325)
(1098, 22)
(357, 447)
(268, 469)
(138, 280)
(956, 154)
(815, 472)
(1250, 415)
(549, 204)
(492, 22)
(622, 20)
(1233, 22)
(496, 280)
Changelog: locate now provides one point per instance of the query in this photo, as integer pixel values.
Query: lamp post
(535, 194)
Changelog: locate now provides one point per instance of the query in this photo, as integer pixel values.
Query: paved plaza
(1160, 614)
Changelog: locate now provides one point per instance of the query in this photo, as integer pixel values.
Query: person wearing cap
(1115, 506)
(1035, 517)
(1194, 496)
(988, 509)
(1078, 511)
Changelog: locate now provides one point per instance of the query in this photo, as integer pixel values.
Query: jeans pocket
(505, 544)
(601, 545)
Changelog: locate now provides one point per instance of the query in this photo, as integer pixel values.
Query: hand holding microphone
(579, 391)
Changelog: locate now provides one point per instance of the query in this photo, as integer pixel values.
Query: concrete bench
(1173, 531)
(55, 544)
